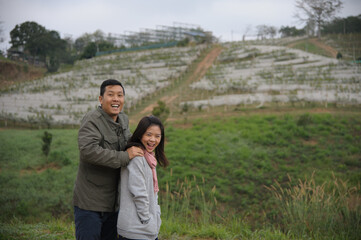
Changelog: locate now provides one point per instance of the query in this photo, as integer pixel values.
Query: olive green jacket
(101, 143)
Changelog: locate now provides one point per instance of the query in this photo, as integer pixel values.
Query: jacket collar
(108, 118)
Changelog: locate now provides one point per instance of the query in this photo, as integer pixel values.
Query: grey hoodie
(139, 212)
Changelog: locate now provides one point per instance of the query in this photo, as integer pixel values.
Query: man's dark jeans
(90, 225)
(123, 238)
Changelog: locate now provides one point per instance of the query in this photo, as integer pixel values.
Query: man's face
(112, 101)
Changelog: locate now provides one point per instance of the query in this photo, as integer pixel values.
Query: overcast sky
(227, 19)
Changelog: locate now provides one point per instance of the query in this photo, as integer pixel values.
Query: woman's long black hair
(142, 127)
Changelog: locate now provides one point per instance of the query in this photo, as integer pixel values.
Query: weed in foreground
(331, 210)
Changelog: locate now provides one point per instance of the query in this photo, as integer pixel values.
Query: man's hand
(135, 152)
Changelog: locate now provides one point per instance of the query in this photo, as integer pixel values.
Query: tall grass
(189, 197)
(191, 211)
(331, 210)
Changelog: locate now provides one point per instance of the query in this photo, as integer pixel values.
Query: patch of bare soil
(310, 142)
(40, 169)
(327, 48)
(13, 72)
(206, 63)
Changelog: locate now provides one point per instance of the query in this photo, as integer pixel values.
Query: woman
(139, 212)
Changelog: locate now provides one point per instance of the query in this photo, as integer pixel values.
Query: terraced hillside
(260, 75)
(198, 79)
(64, 98)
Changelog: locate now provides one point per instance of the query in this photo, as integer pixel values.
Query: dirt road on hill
(324, 46)
(330, 50)
(196, 75)
(203, 66)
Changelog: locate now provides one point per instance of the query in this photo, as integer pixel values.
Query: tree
(351, 24)
(291, 31)
(263, 31)
(1, 32)
(317, 11)
(89, 51)
(248, 28)
(105, 46)
(38, 41)
(90, 43)
(82, 41)
(25, 33)
(1, 37)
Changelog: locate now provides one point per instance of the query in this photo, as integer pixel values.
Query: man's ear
(100, 100)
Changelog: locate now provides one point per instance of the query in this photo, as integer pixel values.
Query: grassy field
(276, 171)
(224, 180)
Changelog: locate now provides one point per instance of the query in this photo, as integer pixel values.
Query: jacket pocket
(111, 142)
(101, 176)
(151, 227)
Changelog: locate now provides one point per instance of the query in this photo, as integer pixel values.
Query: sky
(228, 20)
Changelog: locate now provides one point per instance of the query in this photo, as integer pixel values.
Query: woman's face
(151, 138)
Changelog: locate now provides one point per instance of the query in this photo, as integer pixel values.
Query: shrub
(339, 55)
(304, 120)
(47, 137)
(161, 111)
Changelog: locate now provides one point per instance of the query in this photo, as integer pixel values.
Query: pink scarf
(152, 162)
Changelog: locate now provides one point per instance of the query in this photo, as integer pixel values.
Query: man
(102, 137)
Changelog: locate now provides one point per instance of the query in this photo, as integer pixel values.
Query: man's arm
(89, 138)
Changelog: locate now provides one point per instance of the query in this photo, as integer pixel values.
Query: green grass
(215, 187)
(49, 230)
(241, 154)
(308, 46)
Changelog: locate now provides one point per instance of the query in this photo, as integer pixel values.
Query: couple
(116, 189)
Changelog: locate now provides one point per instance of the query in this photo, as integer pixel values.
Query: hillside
(195, 80)
(65, 97)
(253, 76)
(12, 73)
(263, 139)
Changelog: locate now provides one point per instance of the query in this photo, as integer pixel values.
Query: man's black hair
(110, 82)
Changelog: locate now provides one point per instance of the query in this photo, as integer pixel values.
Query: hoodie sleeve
(137, 187)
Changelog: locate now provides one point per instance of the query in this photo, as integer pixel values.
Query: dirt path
(324, 46)
(204, 65)
(330, 50)
(197, 74)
